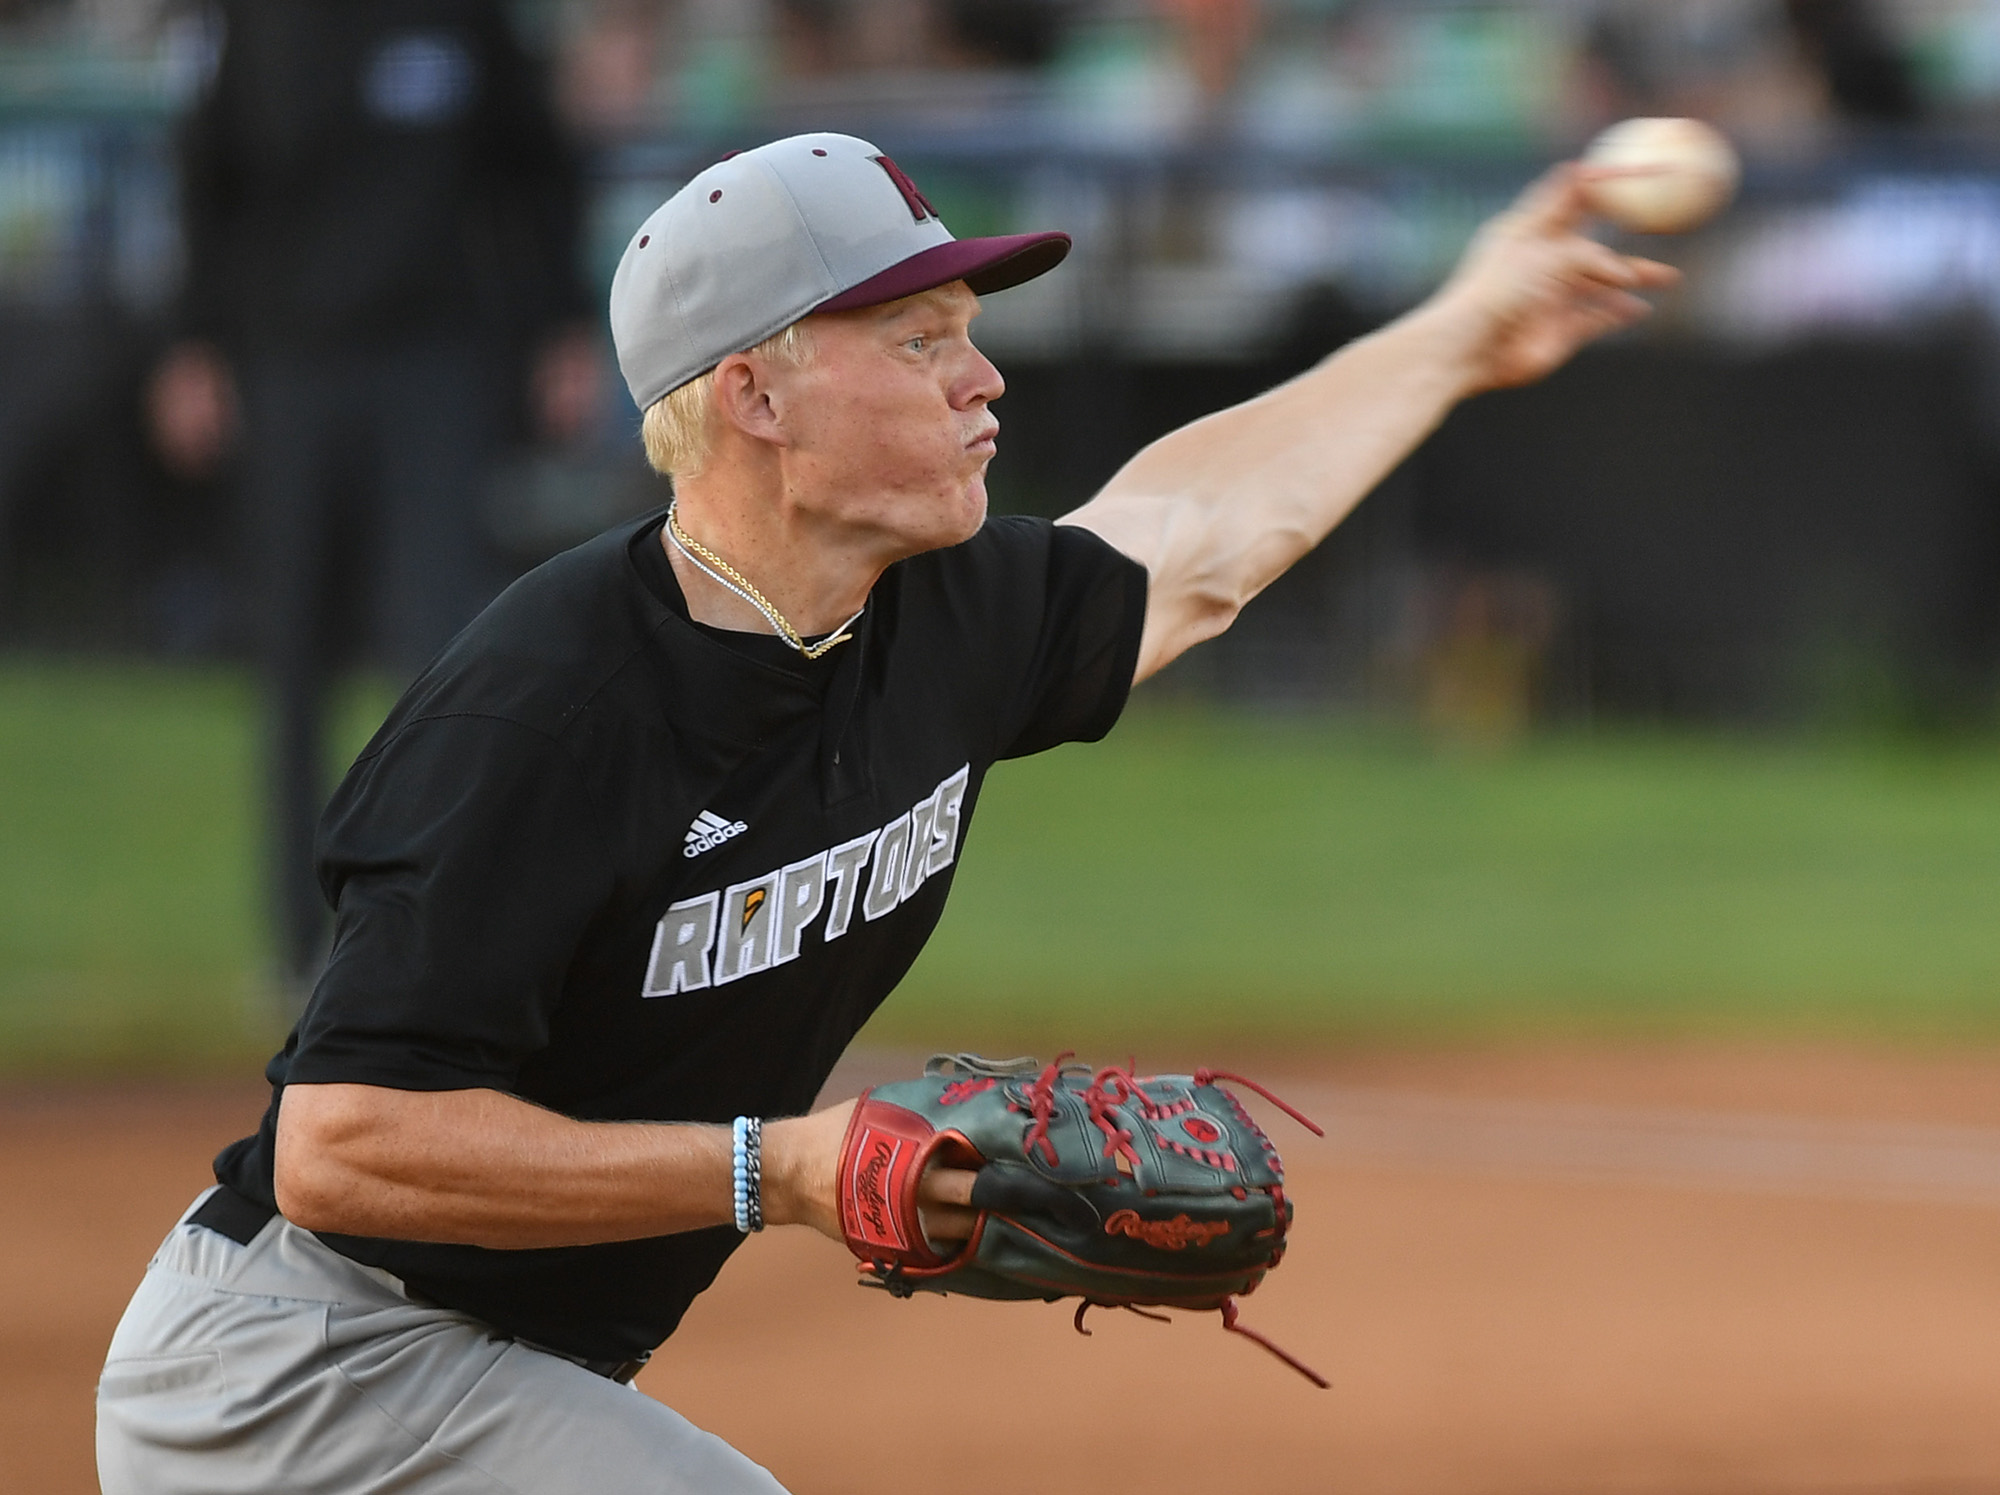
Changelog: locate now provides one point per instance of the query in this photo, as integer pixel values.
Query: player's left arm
(1219, 509)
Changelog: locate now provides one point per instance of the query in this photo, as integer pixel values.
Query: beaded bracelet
(747, 1168)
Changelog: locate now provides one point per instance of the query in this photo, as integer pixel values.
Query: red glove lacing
(1112, 1087)
(1229, 1322)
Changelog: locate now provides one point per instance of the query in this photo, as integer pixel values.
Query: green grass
(1276, 879)
(1193, 876)
(127, 925)
(130, 935)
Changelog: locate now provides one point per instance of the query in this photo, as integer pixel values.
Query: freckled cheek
(891, 436)
(928, 454)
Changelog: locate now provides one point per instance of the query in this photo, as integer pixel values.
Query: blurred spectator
(1485, 655)
(1768, 69)
(822, 38)
(381, 219)
(812, 37)
(1020, 34)
(1735, 62)
(1217, 37)
(712, 66)
(24, 13)
(610, 65)
(1867, 77)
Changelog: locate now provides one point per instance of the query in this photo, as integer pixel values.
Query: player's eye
(916, 344)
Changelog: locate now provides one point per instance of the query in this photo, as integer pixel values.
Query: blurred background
(302, 355)
(1601, 831)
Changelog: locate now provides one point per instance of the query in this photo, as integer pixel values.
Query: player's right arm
(466, 857)
(1219, 509)
(483, 1168)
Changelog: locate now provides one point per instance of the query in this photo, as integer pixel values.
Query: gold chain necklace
(720, 571)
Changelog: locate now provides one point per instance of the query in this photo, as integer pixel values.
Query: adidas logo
(709, 831)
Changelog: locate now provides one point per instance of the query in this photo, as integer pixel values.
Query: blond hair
(678, 429)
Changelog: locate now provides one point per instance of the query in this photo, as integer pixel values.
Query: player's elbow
(1211, 609)
(305, 1191)
(1222, 578)
(1195, 614)
(315, 1174)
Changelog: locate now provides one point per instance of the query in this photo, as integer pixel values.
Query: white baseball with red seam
(1682, 173)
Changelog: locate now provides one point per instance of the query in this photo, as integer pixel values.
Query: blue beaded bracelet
(747, 1172)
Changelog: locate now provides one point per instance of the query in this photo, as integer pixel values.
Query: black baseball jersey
(632, 868)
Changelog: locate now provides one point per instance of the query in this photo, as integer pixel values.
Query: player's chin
(965, 510)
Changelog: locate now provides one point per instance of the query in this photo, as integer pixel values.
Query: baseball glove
(1123, 1190)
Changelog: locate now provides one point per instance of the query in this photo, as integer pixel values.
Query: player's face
(889, 428)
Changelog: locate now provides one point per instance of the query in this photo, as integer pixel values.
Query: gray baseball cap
(761, 238)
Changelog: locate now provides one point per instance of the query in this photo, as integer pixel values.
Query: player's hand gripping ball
(1123, 1190)
(1675, 174)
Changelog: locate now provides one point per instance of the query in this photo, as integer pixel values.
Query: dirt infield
(1677, 1270)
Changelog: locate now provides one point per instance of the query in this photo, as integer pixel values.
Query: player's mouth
(983, 444)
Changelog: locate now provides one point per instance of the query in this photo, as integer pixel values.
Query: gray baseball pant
(282, 1366)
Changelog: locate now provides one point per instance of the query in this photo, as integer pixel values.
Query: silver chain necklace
(716, 569)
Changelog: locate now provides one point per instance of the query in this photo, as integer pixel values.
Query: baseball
(1683, 173)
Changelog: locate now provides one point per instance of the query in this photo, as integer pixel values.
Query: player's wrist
(1450, 333)
(801, 1157)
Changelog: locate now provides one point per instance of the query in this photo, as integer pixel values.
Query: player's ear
(743, 399)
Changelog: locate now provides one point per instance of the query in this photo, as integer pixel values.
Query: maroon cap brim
(983, 264)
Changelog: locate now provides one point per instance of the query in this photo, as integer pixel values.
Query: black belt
(231, 1214)
(239, 1217)
(620, 1371)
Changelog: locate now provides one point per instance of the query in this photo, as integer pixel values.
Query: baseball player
(628, 866)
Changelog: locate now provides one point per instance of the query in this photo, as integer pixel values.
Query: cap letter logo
(920, 206)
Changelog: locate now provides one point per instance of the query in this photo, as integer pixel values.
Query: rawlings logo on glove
(1176, 1234)
(881, 1163)
(1123, 1190)
(875, 1159)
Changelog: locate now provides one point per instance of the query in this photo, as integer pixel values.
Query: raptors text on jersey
(753, 925)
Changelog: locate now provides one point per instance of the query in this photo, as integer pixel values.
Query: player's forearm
(1219, 509)
(477, 1167)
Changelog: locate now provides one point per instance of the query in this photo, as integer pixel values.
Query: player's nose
(978, 383)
